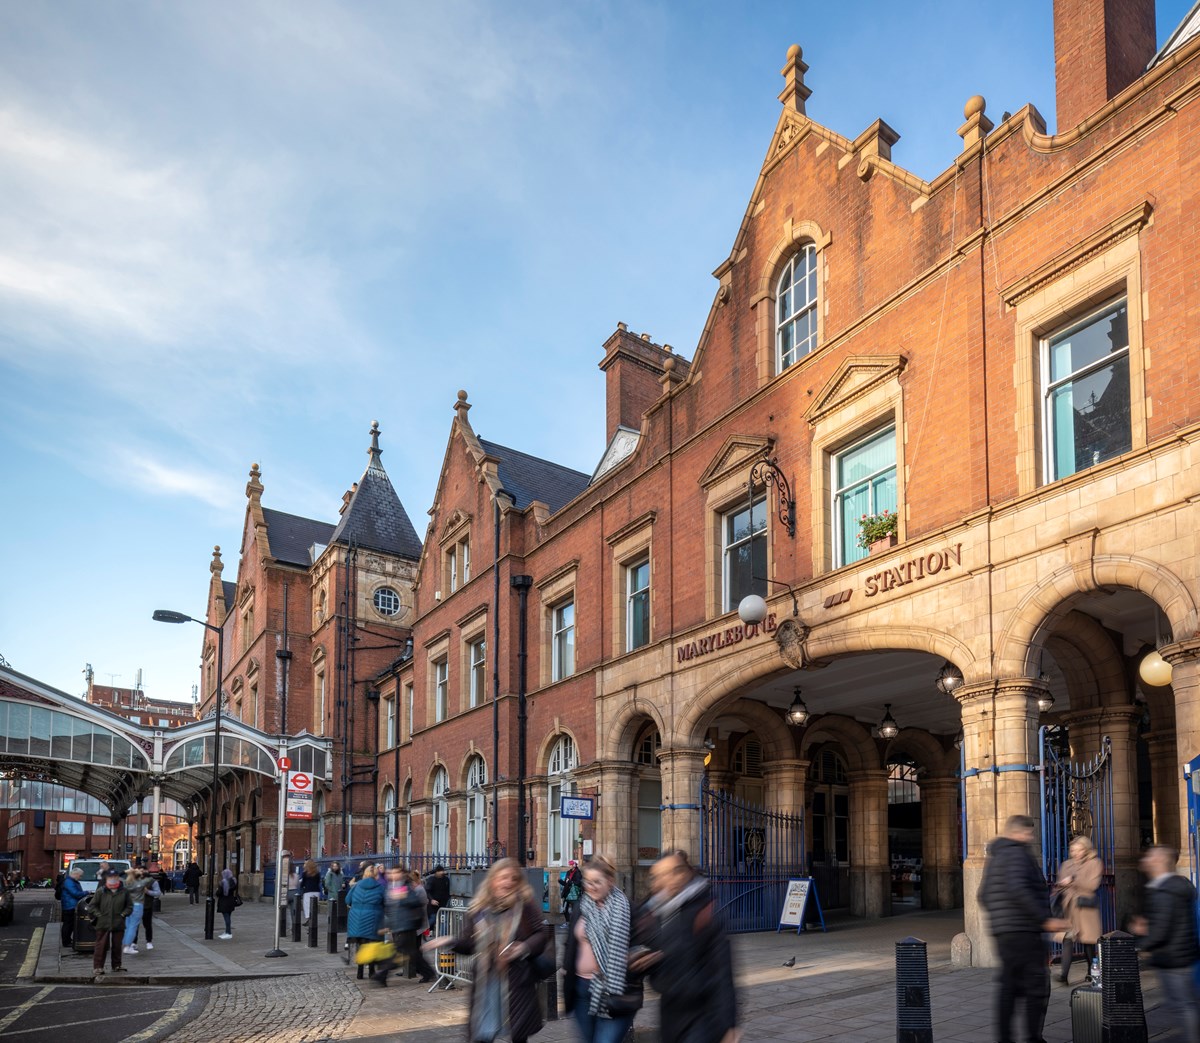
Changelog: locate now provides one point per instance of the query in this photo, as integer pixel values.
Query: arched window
(182, 853)
(476, 808)
(796, 308)
(389, 818)
(408, 817)
(441, 813)
(647, 756)
(560, 831)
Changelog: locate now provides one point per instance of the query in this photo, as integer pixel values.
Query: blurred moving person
(1079, 879)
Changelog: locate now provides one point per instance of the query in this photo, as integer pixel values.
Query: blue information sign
(577, 807)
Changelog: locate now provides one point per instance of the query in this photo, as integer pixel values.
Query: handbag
(1087, 901)
(374, 952)
(237, 900)
(627, 1002)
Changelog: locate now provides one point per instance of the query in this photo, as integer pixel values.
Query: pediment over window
(456, 521)
(857, 376)
(734, 455)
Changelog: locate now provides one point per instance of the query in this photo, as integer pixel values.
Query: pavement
(841, 986)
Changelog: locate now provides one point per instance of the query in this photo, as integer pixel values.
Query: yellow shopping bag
(375, 952)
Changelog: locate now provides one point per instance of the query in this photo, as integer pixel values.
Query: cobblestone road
(308, 1008)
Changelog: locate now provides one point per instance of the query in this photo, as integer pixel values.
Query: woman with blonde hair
(597, 986)
(1079, 878)
(310, 887)
(503, 928)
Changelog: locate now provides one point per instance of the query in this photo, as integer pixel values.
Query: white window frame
(632, 594)
(465, 554)
(441, 689)
(1050, 389)
(476, 846)
(386, 601)
(838, 493)
(441, 812)
(452, 568)
(407, 797)
(562, 640)
(801, 308)
(389, 818)
(729, 547)
(477, 670)
(411, 698)
(560, 832)
(389, 734)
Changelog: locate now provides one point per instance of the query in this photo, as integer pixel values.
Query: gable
(856, 376)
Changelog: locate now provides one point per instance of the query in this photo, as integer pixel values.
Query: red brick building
(1002, 360)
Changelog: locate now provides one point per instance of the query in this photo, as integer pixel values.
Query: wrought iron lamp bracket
(767, 472)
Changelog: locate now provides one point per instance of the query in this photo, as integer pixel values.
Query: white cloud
(140, 471)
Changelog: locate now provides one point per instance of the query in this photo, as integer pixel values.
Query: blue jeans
(132, 922)
(228, 922)
(1179, 1001)
(591, 1028)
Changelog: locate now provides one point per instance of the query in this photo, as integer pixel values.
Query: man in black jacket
(1015, 894)
(191, 882)
(437, 888)
(689, 961)
(1168, 933)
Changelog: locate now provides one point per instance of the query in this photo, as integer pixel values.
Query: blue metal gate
(1191, 772)
(748, 854)
(1077, 799)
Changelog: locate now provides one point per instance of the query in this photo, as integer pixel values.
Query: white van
(91, 866)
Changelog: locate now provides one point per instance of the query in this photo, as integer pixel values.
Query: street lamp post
(164, 615)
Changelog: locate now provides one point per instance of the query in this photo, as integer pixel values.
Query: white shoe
(225, 936)
(149, 945)
(130, 950)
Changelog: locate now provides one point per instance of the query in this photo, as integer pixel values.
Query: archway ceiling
(859, 685)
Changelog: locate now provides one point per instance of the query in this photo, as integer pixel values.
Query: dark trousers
(106, 941)
(68, 927)
(147, 920)
(408, 943)
(1024, 974)
(193, 894)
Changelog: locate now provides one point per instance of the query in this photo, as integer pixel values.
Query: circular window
(387, 601)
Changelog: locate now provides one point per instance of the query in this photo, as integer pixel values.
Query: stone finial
(254, 487)
(216, 566)
(669, 378)
(374, 453)
(462, 406)
(794, 93)
(623, 327)
(977, 124)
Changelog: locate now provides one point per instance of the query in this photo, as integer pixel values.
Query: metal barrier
(451, 967)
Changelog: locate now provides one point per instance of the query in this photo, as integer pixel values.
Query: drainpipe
(521, 585)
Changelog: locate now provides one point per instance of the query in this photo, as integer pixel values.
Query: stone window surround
(476, 630)
(1059, 299)
(454, 544)
(436, 651)
(629, 545)
(839, 426)
(554, 591)
(793, 235)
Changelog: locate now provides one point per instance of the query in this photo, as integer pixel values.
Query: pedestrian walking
(335, 882)
(310, 887)
(136, 883)
(228, 900)
(597, 985)
(111, 905)
(365, 902)
(72, 893)
(1079, 878)
(437, 887)
(570, 887)
(1015, 895)
(149, 901)
(503, 928)
(688, 957)
(191, 882)
(404, 918)
(1168, 933)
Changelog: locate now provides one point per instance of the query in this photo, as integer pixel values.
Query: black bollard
(1123, 1018)
(331, 937)
(294, 901)
(552, 981)
(282, 920)
(914, 1016)
(313, 924)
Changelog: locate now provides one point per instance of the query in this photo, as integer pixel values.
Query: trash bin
(85, 930)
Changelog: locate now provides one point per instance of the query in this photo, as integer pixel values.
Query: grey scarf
(606, 926)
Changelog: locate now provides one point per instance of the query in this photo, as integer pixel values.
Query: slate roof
(376, 519)
(289, 537)
(530, 478)
(229, 592)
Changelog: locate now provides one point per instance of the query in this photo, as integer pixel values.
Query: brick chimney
(634, 366)
(1100, 48)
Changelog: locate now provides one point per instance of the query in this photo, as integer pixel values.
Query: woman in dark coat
(503, 928)
(365, 902)
(227, 900)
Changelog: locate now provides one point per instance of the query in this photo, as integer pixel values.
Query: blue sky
(238, 232)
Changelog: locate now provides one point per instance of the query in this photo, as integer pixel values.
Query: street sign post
(299, 795)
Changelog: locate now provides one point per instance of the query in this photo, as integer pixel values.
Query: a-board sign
(299, 795)
(800, 891)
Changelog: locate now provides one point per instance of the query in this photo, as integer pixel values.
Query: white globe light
(1155, 671)
(752, 609)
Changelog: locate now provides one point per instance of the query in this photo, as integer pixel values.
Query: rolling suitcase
(1086, 1010)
